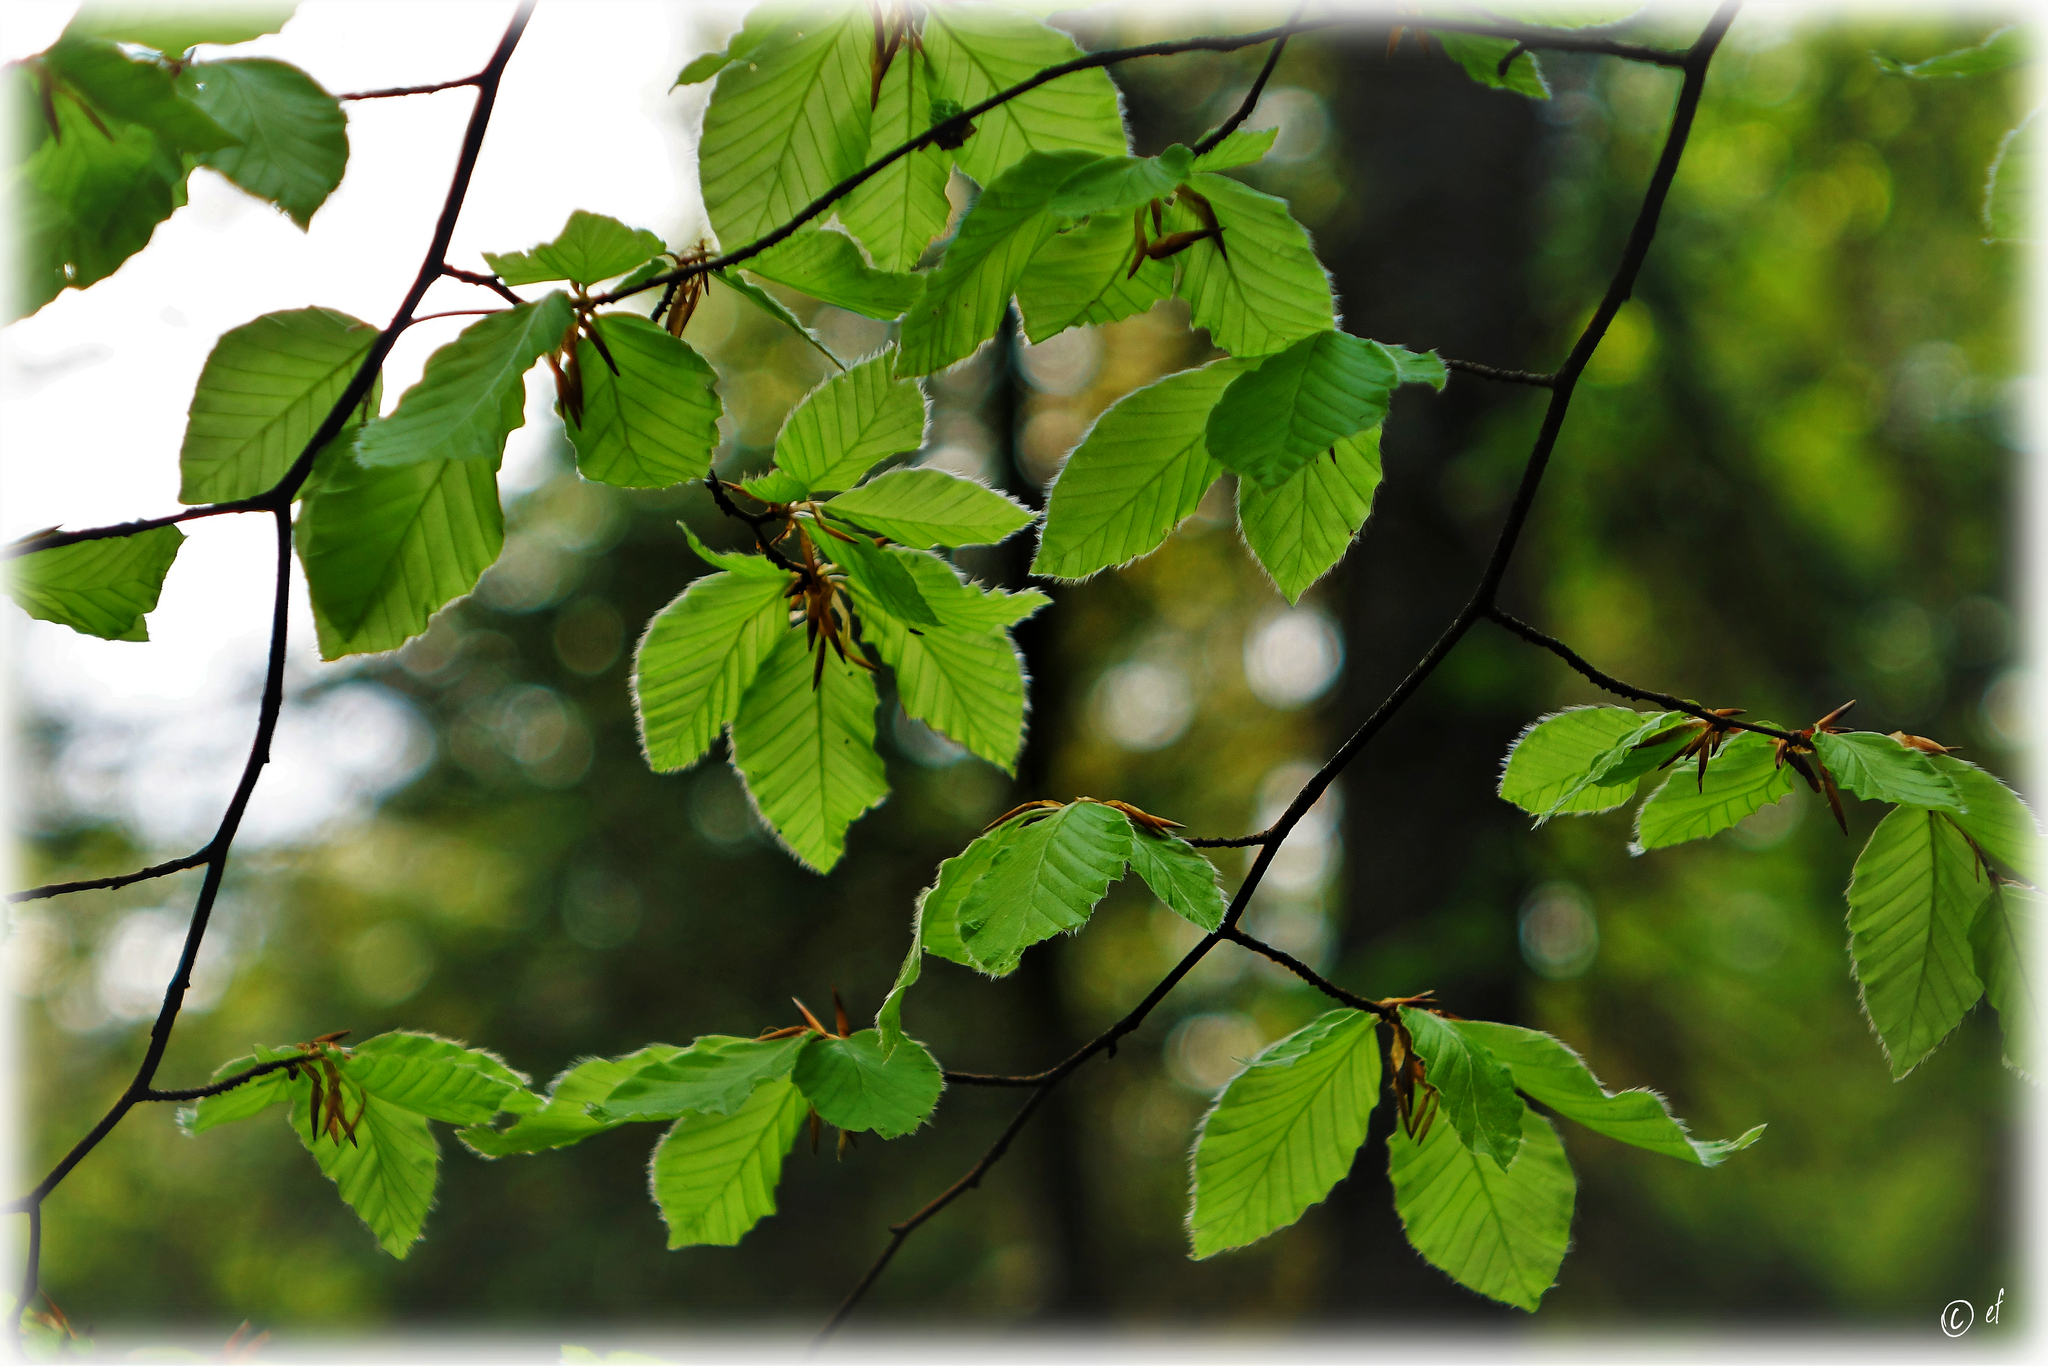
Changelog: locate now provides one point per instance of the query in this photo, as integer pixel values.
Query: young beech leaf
(385, 549)
(294, 137)
(741, 563)
(827, 265)
(1477, 1090)
(1299, 530)
(963, 299)
(714, 1175)
(976, 50)
(787, 123)
(880, 579)
(473, 392)
(924, 508)
(897, 211)
(1117, 185)
(1240, 148)
(249, 1099)
(387, 1174)
(848, 424)
(565, 1117)
(136, 90)
(1184, 881)
(590, 248)
(1996, 818)
(769, 304)
(1878, 768)
(1298, 403)
(1044, 882)
(808, 753)
(1742, 780)
(698, 658)
(438, 1078)
(938, 906)
(1481, 55)
(1549, 764)
(1139, 472)
(1549, 1071)
(266, 387)
(2007, 926)
(1284, 1131)
(1501, 1233)
(1913, 899)
(1262, 287)
(1082, 275)
(2003, 48)
(889, 1019)
(714, 1075)
(2009, 193)
(856, 1084)
(655, 422)
(171, 32)
(100, 588)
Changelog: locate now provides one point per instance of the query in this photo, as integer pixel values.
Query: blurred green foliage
(1789, 480)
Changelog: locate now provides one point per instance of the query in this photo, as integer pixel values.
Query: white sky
(94, 387)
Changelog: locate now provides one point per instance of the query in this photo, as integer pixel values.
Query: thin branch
(1472, 367)
(1552, 40)
(1309, 975)
(456, 313)
(1609, 683)
(1694, 62)
(54, 539)
(474, 277)
(1251, 96)
(101, 884)
(756, 520)
(222, 1087)
(985, 1079)
(1236, 842)
(396, 91)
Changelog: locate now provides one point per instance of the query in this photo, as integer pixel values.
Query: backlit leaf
(294, 136)
(1913, 900)
(1184, 881)
(1501, 1233)
(1298, 403)
(2007, 927)
(924, 508)
(714, 1176)
(100, 588)
(472, 394)
(249, 1099)
(881, 579)
(714, 1075)
(828, 265)
(564, 1119)
(898, 210)
(655, 422)
(1743, 779)
(848, 424)
(590, 247)
(1082, 275)
(1045, 881)
(387, 1174)
(437, 1077)
(1878, 768)
(698, 659)
(856, 1085)
(1269, 291)
(1997, 819)
(1481, 55)
(1477, 1090)
(1549, 761)
(1301, 529)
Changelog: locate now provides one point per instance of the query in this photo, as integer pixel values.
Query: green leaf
(1545, 1069)
(387, 1174)
(1913, 899)
(385, 549)
(246, 1101)
(856, 1084)
(1299, 403)
(172, 32)
(828, 265)
(1284, 1131)
(1139, 472)
(848, 424)
(898, 210)
(294, 137)
(437, 1077)
(266, 387)
(1240, 148)
(698, 659)
(747, 566)
(977, 50)
(1418, 367)
(702, 68)
(2009, 193)
(1630, 759)
(963, 607)
(882, 580)
(1082, 275)
(769, 304)
(1878, 768)
(564, 1119)
(1269, 291)
(1477, 1090)
(99, 588)
(923, 508)
(1481, 55)
(655, 422)
(1184, 881)
(788, 122)
(1501, 1233)
(1549, 764)
(1044, 881)
(938, 906)
(889, 1019)
(714, 1176)
(2005, 47)
(1117, 185)
(1997, 819)
(963, 299)
(473, 392)
(1742, 780)
(808, 753)
(2008, 925)
(1301, 529)
(714, 1075)
(136, 90)
(590, 247)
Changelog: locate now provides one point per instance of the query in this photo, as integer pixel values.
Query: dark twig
(1554, 40)
(226, 1084)
(984, 1079)
(1509, 60)
(1470, 367)
(397, 90)
(477, 277)
(53, 539)
(1251, 96)
(278, 503)
(1609, 683)
(1238, 842)
(756, 520)
(101, 884)
(1694, 62)
(1309, 974)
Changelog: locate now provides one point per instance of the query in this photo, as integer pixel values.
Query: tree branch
(225, 1085)
(1470, 367)
(1309, 975)
(97, 884)
(1694, 63)
(395, 91)
(1251, 96)
(1537, 39)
